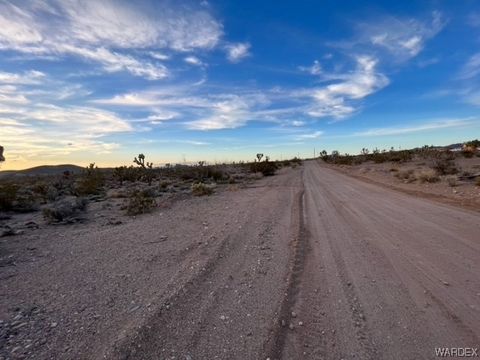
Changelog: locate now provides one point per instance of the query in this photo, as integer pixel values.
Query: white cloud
(402, 38)
(96, 31)
(28, 77)
(201, 109)
(193, 60)
(336, 99)
(297, 123)
(472, 68)
(314, 135)
(315, 69)
(427, 126)
(227, 114)
(237, 52)
(158, 55)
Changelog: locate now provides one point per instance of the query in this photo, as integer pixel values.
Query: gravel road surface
(308, 264)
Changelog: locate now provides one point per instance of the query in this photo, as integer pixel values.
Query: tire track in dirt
(275, 345)
(190, 314)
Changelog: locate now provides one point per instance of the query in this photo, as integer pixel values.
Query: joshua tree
(141, 162)
(365, 151)
(259, 157)
(2, 158)
(267, 158)
(146, 168)
(324, 155)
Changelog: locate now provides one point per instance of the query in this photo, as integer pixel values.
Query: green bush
(267, 168)
(140, 202)
(8, 195)
(91, 182)
(201, 189)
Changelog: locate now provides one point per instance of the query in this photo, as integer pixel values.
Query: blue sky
(100, 81)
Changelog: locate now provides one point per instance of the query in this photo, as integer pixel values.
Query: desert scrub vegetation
(377, 156)
(427, 176)
(451, 180)
(64, 210)
(8, 195)
(140, 202)
(407, 175)
(91, 182)
(201, 189)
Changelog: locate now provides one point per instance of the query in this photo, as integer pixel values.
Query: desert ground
(308, 264)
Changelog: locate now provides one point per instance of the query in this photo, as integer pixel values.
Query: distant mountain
(43, 170)
(454, 146)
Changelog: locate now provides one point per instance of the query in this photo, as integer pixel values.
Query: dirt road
(308, 264)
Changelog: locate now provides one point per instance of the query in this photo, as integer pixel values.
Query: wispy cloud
(95, 31)
(33, 128)
(314, 69)
(313, 135)
(200, 108)
(338, 99)
(25, 78)
(426, 126)
(403, 38)
(237, 52)
(473, 19)
(471, 68)
(193, 60)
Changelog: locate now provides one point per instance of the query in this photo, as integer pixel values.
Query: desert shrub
(8, 194)
(406, 175)
(400, 156)
(267, 168)
(140, 202)
(51, 193)
(40, 188)
(215, 173)
(468, 154)
(429, 176)
(451, 180)
(91, 182)
(25, 201)
(163, 185)
(477, 182)
(127, 173)
(65, 209)
(444, 166)
(201, 189)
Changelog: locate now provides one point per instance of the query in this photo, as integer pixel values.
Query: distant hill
(43, 170)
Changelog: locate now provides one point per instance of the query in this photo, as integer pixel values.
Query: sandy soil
(464, 193)
(307, 264)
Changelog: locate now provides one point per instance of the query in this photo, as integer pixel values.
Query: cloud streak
(95, 31)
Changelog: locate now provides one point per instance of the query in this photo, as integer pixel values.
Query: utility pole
(314, 153)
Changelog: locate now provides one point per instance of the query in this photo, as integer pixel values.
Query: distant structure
(2, 158)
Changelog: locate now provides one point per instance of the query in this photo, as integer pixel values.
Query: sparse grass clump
(406, 175)
(140, 202)
(429, 176)
(451, 181)
(201, 189)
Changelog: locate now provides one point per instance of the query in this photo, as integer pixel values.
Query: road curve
(386, 276)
